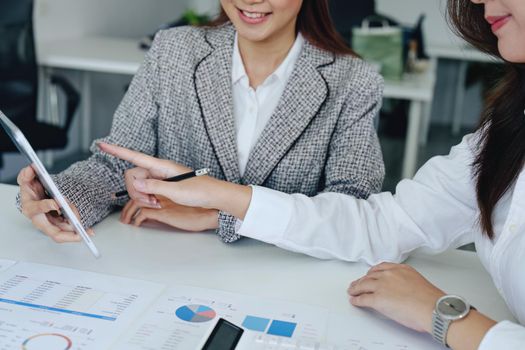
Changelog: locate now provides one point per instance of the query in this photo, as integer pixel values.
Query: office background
(133, 19)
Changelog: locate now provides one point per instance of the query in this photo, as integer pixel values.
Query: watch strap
(440, 328)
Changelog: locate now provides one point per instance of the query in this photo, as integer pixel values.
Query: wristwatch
(449, 308)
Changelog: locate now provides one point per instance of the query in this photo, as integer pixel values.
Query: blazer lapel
(213, 84)
(302, 99)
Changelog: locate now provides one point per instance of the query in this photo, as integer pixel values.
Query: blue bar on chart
(282, 328)
(254, 323)
(55, 309)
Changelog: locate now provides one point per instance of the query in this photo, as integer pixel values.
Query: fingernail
(139, 184)
(154, 202)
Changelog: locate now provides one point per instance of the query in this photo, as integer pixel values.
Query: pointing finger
(139, 159)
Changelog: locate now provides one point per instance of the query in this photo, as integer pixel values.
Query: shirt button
(512, 228)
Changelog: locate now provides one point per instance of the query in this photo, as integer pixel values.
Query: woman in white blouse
(475, 194)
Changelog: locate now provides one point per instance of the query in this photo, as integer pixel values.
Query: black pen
(177, 178)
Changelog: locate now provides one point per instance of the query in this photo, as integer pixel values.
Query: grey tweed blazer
(321, 137)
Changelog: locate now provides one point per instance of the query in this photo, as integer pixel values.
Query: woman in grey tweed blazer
(320, 137)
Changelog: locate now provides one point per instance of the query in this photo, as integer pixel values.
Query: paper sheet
(182, 316)
(47, 307)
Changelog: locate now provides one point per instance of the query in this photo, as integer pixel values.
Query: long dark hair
(502, 128)
(315, 24)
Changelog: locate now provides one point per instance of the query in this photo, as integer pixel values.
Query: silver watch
(449, 308)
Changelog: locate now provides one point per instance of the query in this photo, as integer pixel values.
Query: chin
(513, 52)
(253, 36)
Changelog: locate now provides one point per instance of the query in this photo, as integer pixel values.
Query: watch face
(452, 307)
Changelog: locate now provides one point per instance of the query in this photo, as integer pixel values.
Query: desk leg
(460, 96)
(86, 112)
(427, 110)
(427, 106)
(412, 140)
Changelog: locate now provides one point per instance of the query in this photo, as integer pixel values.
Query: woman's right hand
(43, 211)
(201, 192)
(143, 199)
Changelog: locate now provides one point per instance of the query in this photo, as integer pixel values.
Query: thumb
(26, 175)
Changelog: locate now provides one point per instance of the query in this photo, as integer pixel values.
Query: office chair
(19, 81)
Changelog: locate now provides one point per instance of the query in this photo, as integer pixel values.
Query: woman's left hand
(172, 214)
(399, 292)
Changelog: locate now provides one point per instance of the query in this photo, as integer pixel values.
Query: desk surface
(248, 267)
(415, 87)
(460, 52)
(96, 54)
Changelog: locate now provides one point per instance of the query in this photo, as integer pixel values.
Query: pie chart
(195, 313)
(48, 341)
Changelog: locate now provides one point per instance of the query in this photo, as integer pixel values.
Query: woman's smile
(250, 17)
(496, 22)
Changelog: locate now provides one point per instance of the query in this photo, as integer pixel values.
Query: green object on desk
(382, 46)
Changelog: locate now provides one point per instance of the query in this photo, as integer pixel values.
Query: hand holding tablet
(33, 195)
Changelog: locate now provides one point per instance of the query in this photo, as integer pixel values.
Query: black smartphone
(224, 336)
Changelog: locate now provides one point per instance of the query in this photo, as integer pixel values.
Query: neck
(262, 58)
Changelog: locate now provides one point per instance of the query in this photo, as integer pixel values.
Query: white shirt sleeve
(436, 210)
(505, 335)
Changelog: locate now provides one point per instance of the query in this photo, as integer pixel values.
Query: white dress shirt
(252, 109)
(435, 211)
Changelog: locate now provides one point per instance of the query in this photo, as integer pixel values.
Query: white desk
(460, 53)
(122, 56)
(105, 55)
(248, 267)
(463, 54)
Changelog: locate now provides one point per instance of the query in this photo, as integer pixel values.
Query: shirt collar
(282, 72)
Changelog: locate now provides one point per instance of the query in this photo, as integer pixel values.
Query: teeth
(253, 15)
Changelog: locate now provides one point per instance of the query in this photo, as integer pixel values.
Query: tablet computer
(25, 148)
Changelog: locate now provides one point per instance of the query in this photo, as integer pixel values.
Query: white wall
(436, 29)
(59, 19)
(210, 7)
